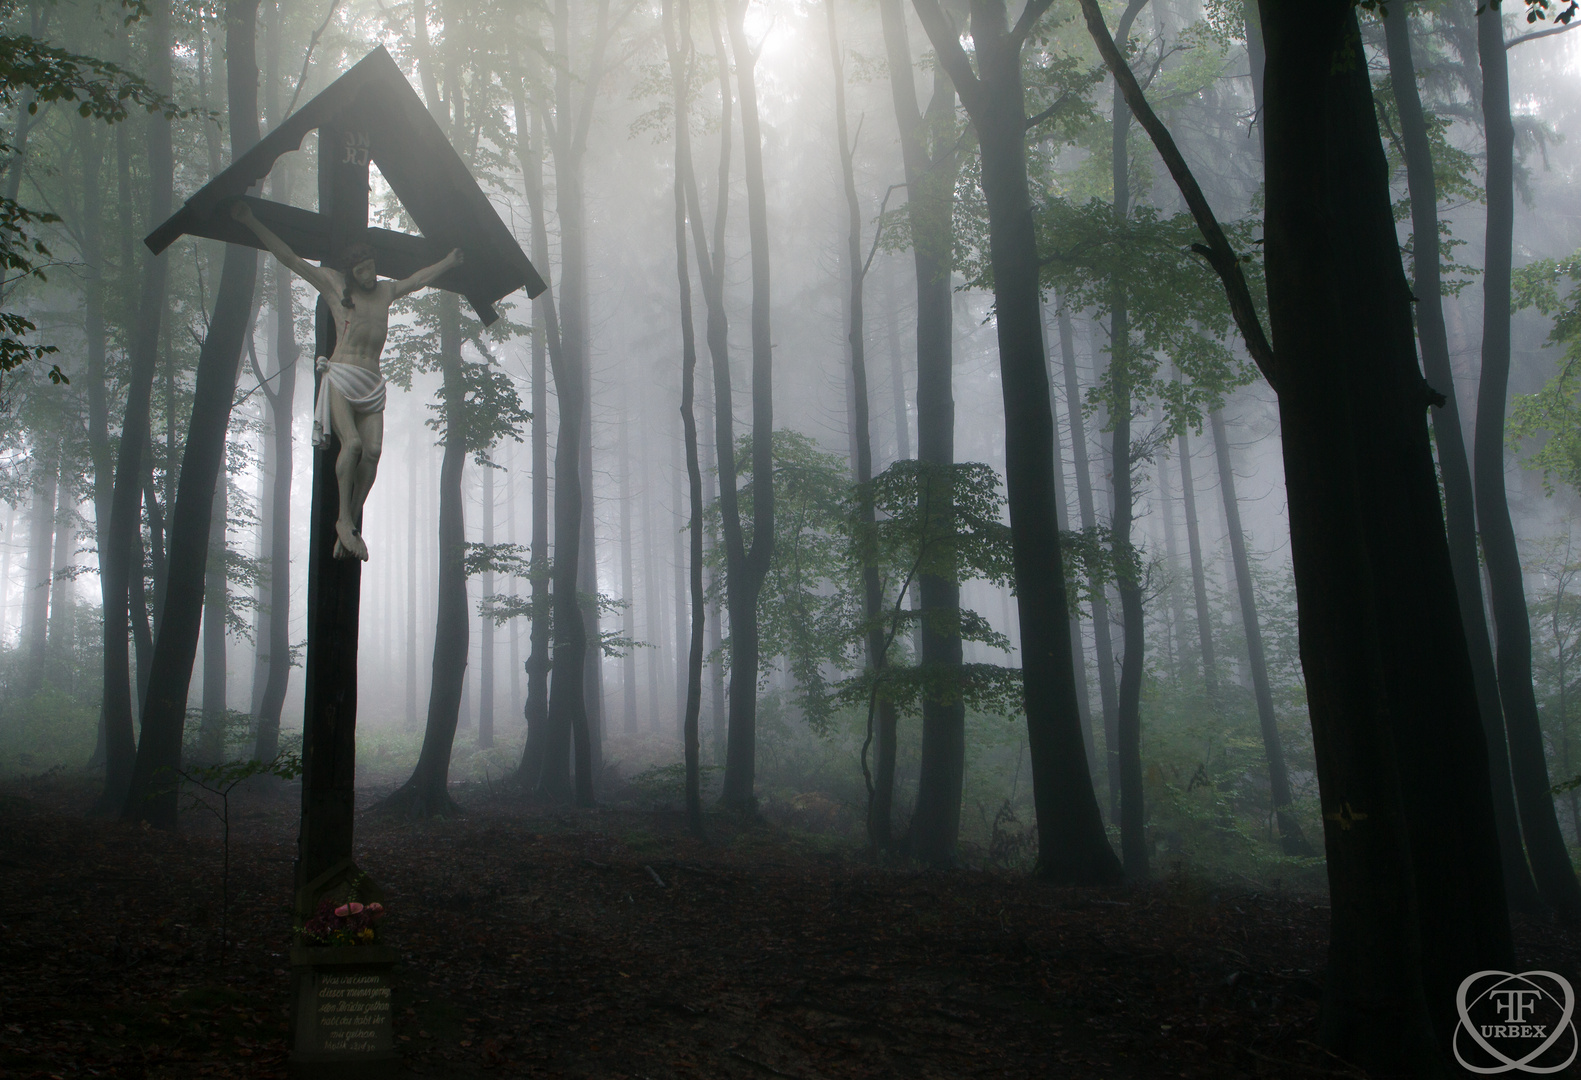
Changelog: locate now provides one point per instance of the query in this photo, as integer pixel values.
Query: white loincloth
(362, 389)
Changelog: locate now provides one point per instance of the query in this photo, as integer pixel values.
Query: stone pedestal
(342, 1020)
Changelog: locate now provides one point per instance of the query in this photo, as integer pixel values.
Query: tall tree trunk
(1072, 846)
(1545, 846)
(678, 45)
(927, 143)
(411, 586)
(34, 637)
(1199, 577)
(628, 621)
(486, 626)
(1078, 655)
(148, 797)
(1127, 561)
(61, 599)
(1395, 725)
(274, 641)
(545, 766)
(1103, 648)
(1291, 837)
(751, 564)
(91, 150)
(883, 717)
(897, 374)
(535, 710)
(426, 792)
(679, 565)
(211, 730)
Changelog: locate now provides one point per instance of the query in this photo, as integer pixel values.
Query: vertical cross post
(329, 745)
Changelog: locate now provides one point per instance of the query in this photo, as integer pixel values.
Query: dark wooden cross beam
(369, 115)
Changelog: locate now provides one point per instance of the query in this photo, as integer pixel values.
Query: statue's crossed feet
(350, 545)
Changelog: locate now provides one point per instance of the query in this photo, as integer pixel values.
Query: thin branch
(1217, 250)
(1029, 17)
(1550, 32)
(879, 232)
(307, 57)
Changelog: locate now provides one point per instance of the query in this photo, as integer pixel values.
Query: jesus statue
(351, 394)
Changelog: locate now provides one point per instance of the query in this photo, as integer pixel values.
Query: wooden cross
(370, 115)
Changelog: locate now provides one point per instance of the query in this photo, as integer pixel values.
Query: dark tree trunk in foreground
(1545, 845)
(1291, 838)
(746, 578)
(928, 150)
(883, 720)
(1418, 892)
(150, 797)
(678, 45)
(1072, 846)
(628, 615)
(1460, 515)
(1418, 896)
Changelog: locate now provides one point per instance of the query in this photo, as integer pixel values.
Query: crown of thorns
(356, 253)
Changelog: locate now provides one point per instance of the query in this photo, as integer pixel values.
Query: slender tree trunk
(750, 565)
(882, 794)
(211, 730)
(148, 798)
(274, 643)
(927, 144)
(1072, 846)
(680, 567)
(1291, 837)
(897, 374)
(1550, 859)
(628, 621)
(1078, 655)
(545, 766)
(426, 792)
(535, 709)
(1103, 646)
(61, 600)
(1128, 726)
(1199, 577)
(411, 586)
(34, 638)
(678, 45)
(486, 626)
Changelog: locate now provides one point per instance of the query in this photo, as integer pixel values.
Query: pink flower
(356, 908)
(375, 909)
(343, 910)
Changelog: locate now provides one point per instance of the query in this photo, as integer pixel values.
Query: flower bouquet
(350, 923)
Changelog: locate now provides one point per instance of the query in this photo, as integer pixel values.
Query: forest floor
(537, 943)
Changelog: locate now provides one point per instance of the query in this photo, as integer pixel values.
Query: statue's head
(359, 265)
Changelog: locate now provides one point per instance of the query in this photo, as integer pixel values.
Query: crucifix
(369, 116)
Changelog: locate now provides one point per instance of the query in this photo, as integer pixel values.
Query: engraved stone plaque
(343, 1022)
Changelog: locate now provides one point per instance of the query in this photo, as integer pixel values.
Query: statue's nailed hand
(242, 212)
(456, 257)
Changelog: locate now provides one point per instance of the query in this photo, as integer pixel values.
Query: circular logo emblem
(1521, 1023)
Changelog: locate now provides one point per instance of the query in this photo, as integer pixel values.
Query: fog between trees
(1189, 689)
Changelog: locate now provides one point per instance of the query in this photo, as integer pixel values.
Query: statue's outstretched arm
(322, 280)
(428, 274)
